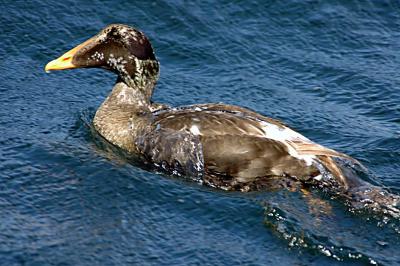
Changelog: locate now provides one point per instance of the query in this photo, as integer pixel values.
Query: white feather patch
(195, 130)
(286, 135)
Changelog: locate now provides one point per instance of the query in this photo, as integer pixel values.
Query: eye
(113, 32)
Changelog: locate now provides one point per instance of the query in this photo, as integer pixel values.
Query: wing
(234, 144)
(246, 121)
(246, 158)
(240, 145)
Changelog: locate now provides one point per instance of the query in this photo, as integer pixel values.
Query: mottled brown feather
(235, 145)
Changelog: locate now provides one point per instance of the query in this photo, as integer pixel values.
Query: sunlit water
(328, 69)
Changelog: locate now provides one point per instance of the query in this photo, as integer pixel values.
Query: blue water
(329, 69)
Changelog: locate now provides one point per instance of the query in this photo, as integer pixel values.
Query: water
(327, 68)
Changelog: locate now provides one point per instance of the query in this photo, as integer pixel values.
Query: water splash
(320, 225)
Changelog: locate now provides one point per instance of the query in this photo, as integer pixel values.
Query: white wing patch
(195, 130)
(287, 136)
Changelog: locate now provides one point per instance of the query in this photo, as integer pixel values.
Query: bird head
(119, 48)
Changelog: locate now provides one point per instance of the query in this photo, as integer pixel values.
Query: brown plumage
(220, 145)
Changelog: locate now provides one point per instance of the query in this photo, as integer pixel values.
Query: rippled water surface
(329, 69)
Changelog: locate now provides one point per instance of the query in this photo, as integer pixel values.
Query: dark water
(329, 69)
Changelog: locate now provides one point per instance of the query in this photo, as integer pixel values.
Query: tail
(325, 158)
(335, 170)
(360, 194)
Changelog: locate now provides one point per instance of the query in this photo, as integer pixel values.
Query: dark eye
(112, 33)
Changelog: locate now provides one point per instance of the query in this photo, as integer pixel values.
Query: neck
(144, 77)
(123, 115)
(123, 94)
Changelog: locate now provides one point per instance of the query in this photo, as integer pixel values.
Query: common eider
(219, 145)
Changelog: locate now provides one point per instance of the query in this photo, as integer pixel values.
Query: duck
(219, 145)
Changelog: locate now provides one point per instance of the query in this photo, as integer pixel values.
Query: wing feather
(227, 132)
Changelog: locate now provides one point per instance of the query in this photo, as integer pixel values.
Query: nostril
(66, 58)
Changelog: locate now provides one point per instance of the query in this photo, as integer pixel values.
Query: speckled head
(117, 47)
